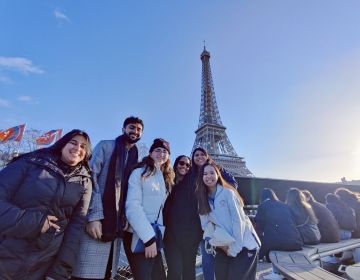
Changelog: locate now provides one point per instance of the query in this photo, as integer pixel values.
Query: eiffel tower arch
(211, 134)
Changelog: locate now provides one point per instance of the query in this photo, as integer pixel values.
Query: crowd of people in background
(305, 221)
(65, 212)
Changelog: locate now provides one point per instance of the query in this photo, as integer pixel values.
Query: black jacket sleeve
(14, 221)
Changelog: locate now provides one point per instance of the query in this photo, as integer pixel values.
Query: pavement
(263, 269)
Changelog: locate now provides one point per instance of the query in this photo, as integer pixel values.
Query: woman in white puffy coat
(149, 184)
(226, 226)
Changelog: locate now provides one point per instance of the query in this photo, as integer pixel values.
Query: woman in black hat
(149, 185)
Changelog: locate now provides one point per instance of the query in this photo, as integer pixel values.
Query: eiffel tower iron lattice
(211, 134)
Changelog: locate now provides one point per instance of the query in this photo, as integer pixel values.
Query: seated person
(274, 222)
(344, 215)
(303, 214)
(353, 200)
(328, 226)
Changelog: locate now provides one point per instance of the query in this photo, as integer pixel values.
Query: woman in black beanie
(149, 185)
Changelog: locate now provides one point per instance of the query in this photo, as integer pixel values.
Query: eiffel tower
(211, 134)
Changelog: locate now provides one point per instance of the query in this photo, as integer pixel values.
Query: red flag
(14, 133)
(49, 137)
(59, 134)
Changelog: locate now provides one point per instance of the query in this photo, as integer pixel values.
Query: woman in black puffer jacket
(351, 199)
(44, 196)
(344, 215)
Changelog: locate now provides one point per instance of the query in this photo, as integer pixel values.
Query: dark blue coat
(276, 228)
(30, 189)
(228, 177)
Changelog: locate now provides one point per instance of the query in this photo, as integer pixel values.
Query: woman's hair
(202, 191)
(57, 147)
(308, 196)
(347, 196)
(61, 143)
(176, 163)
(300, 208)
(335, 199)
(268, 193)
(193, 153)
(149, 169)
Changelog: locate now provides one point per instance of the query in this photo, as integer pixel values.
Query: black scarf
(68, 170)
(117, 177)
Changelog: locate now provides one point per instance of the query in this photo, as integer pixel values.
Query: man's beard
(129, 140)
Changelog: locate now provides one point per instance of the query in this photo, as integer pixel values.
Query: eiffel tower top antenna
(209, 112)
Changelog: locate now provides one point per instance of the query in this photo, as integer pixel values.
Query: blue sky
(286, 75)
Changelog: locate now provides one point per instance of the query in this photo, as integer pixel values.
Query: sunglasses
(182, 163)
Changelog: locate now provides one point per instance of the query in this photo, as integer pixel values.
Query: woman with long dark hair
(328, 226)
(149, 185)
(200, 157)
(182, 166)
(226, 226)
(44, 197)
(182, 236)
(343, 213)
(304, 216)
(352, 199)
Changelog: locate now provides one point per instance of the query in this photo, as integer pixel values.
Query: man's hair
(133, 119)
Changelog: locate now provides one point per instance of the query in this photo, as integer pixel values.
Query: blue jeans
(356, 255)
(345, 234)
(208, 263)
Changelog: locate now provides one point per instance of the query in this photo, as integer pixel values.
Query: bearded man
(111, 165)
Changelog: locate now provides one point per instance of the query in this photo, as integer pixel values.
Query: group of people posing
(305, 221)
(65, 212)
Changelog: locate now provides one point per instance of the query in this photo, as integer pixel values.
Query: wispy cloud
(24, 98)
(4, 79)
(19, 64)
(59, 15)
(4, 103)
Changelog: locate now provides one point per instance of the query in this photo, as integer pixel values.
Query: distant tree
(143, 150)
(11, 149)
